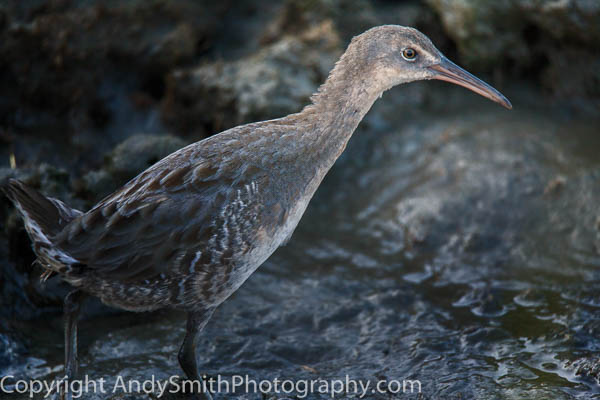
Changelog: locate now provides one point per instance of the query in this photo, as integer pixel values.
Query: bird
(189, 230)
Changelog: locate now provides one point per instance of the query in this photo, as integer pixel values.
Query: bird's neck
(337, 108)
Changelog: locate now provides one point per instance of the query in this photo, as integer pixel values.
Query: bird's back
(189, 230)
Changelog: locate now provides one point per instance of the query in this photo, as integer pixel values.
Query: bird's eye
(409, 54)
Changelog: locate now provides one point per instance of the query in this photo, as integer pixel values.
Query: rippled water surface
(458, 246)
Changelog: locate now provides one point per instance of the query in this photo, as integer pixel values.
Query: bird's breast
(248, 230)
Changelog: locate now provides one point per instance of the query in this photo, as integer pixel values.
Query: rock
(276, 81)
(74, 47)
(349, 17)
(96, 184)
(301, 45)
(541, 38)
(127, 160)
(75, 68)
(141, 151)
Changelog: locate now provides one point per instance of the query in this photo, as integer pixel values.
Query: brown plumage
(188, 231)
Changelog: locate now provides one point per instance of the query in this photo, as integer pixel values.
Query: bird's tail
(44, 217)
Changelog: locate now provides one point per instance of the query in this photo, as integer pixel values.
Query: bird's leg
(196, 321)
(72, 306)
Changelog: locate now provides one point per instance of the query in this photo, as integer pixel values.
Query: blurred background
(454, 242)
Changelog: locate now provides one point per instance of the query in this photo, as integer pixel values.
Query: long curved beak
(447, 71)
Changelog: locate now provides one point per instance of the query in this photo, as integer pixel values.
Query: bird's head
(396, 54)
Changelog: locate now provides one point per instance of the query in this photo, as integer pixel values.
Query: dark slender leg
(72, 307)
(196, 321)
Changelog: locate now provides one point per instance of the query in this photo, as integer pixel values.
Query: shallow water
(458, 246)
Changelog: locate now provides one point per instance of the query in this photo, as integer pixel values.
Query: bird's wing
(148, 227)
